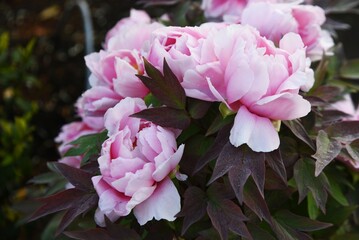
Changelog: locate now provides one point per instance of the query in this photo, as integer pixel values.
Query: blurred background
(42, 73)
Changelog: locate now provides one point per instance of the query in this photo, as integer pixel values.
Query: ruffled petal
(164, 203)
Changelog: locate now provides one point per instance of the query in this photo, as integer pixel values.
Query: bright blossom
(136, 163)
(70, 132)
(278, 19)
(114, 69)
(235, 65)
(220, 8)
(113, 78)
(131, 33)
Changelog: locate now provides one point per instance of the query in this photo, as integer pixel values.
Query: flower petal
(164, 203)
(167, 166)
(257, 132)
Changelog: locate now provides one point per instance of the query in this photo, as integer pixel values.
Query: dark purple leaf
(299, 222)
(166, 88)
(226, 215)
(353, 150)
(57, 202)
(255, 201)
(165, 117)
(332, 116)
(306, 181)
(229, 157)
(198, 108)
(346, 131)
(148, 3)
(77, 177)
(86, 203)
(194, 207)
(214, 151)
(289, 149)
(326, 93)
(112, 232)
(285, 232)
(240, 162)
(120, 232)
(273, 181)
(327, 150)
(275, 162)
(299, 131)
(92, 234)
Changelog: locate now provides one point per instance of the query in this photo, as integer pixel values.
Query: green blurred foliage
(16, 113)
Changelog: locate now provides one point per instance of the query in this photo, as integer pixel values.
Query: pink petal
(285, 106)
(167, 166)
(240, 81)
(257, 132)
(164, 203)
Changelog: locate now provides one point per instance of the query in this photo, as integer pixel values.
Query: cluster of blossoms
(254, 66)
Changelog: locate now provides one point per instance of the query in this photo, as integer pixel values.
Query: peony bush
(231, 128)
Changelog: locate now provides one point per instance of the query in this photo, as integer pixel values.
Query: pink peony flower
(113, 78)
(130, 33)
(278, 19)
(227, 8)
(135, 165)
(235, 65)
(117, 70)
(70, 132)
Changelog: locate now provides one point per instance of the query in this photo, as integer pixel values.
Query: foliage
(16, 127)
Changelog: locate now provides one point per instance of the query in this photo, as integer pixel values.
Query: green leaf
(152, 101)
(300, 223)
(87, 146)
(259, 233)
(306, 181)
(327, 150)
(350, 69)
(336, 192)
(197, 108)
(285, 232)
(313, 210)
(218, 123)
(346, 236)
(90, 139)
(45, 178)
